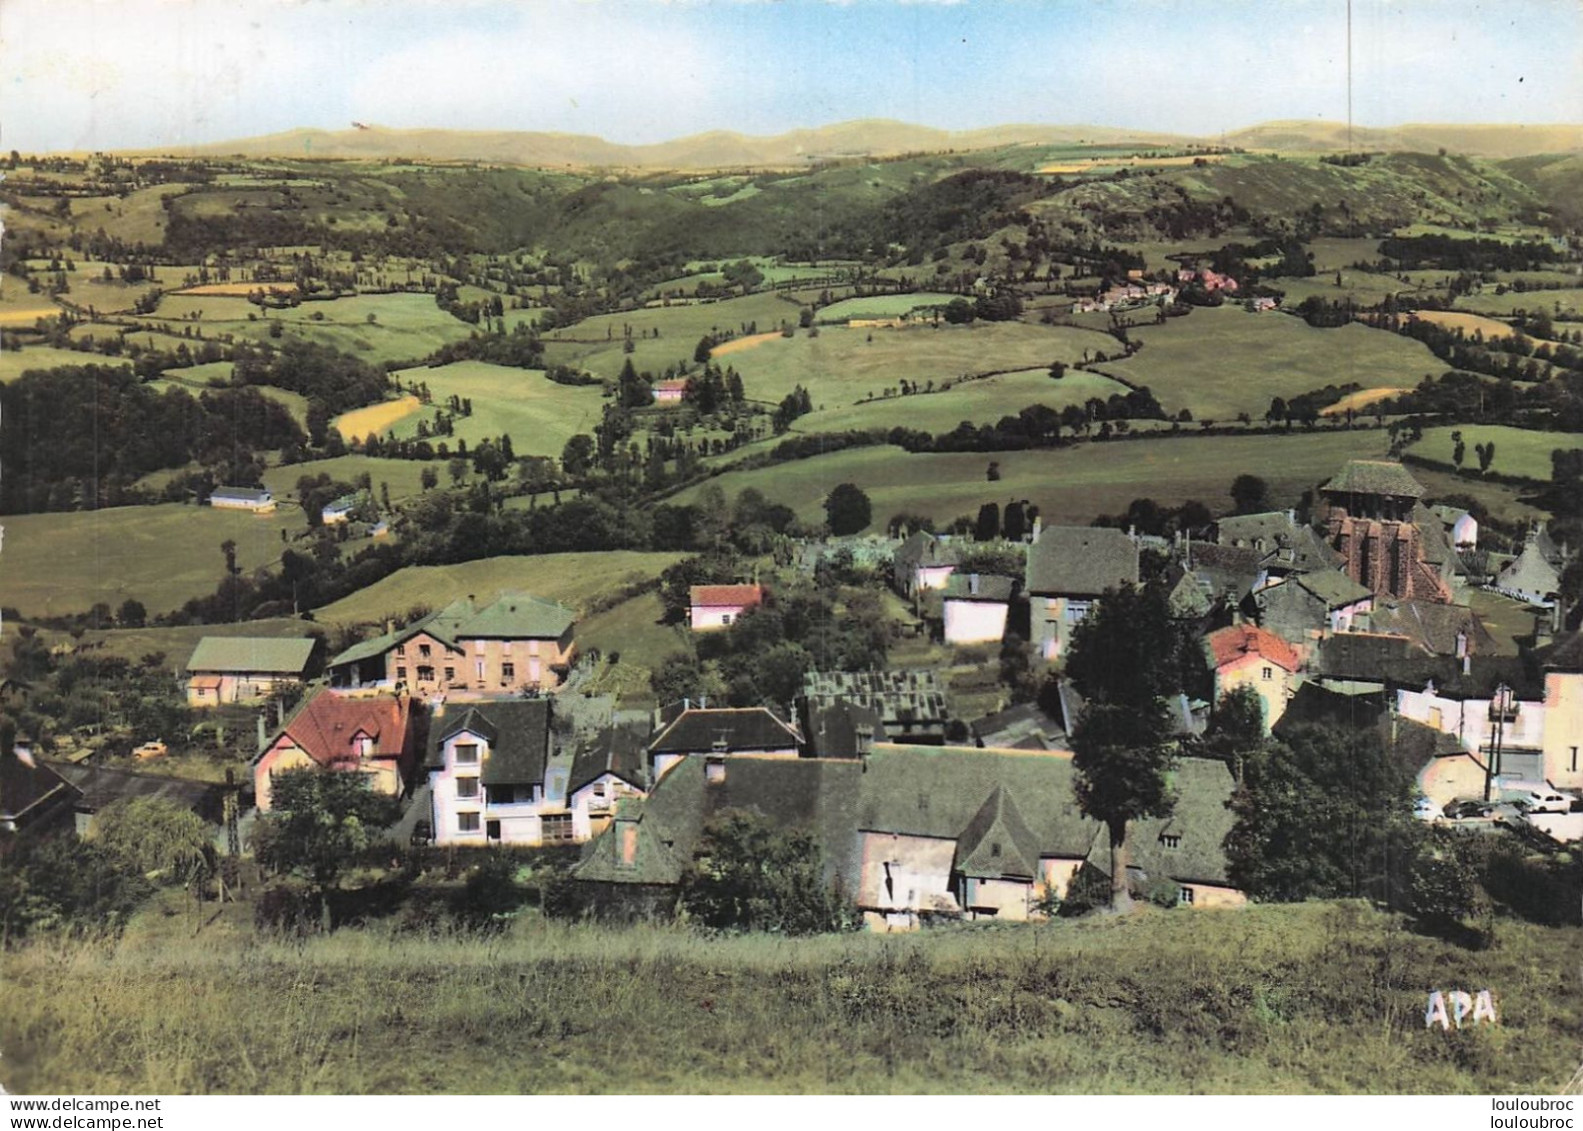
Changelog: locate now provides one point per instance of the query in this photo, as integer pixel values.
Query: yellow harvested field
(1467, 323)
(1361, 399)
(737, 345)
(1092, 163)
(238, 290)
(29, 316)
(376, 418)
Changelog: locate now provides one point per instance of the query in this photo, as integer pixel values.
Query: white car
(1544, 801)
(1426, 810)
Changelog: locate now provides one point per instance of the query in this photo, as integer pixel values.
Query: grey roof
(1375, 477)
(899, 696)
(1332, 587)
(1258, 531)
(924, 548)
(517, 731)
(277, 656)
(1552, 553)
(834, 727)
(616, 748)
(1023, 726)
(1372, 658)
(1565, 655)
(986, 587)
(245, 494)
(1433, 626)
(513, 616)
(1530, 573)
(101, 785)
(1081, 561)
(28, 786)
(698, 729)
(997, 842)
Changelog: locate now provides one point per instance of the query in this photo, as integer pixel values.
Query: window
(467, 822)
(725, 618)
(1574, 759)
(1171, 840)
(450, 674)
(423, 651)
(558, 828)
(1184, 896)
(508, 672)
(628, 845)
(425, 673)
(1269, 673)
(467, 788)
(479, 669)
(467, 753)
(401, 649)
(401, 674)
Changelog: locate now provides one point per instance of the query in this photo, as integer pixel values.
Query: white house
(257, 500)
(491, 778)
(974, 608)
(714, 607)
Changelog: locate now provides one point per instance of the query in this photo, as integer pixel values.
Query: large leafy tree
(157, 838)
(747, 874)
(1324, 813)
(847, 509)
(319, 822)
(1124, 661)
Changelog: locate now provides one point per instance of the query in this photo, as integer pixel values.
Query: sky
(125, 74)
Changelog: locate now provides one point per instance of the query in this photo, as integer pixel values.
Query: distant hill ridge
(722, 149)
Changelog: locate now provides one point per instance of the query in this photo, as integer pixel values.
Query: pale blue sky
(83, 74)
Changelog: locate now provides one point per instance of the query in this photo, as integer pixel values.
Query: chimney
(263, 731)
(390, 626)
(1038, 527)
(865, 742)
(1462, 645)
(1543, 629)
(714, 769)
(972, 584)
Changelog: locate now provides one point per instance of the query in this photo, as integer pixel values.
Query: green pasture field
(405, 325)
(881, 306)
(1335, 253)
(631, 630)
(573, 579)
(403, 475)
(1070, 485)
(1315, 998)
(538, 415)
(1219, 362)
(139, 217)
(160, 555)
(1569, 301)
(982, 402)
(1518, 451)
(177, 643)
(195, 380)
(842, 364)
(156, 339)
(1503, 501)
(88, 288)
(14, 363)
(1362, 287)
(599, 340)
(1156, 253)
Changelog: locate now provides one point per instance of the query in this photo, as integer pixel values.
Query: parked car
(153, 749)
(1544, 801)
(422, 834)
(1467, 810)
(1426, 810)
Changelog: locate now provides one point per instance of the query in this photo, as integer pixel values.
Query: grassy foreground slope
(1298, 999)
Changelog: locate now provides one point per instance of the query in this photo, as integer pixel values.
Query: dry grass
(1360, 400)
(375, 418)
(1470, 324)
(1095, 163)
(239, 290)
(738, 345)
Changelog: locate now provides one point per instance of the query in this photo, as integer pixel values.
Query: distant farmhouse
(254, 499)
(239, 669)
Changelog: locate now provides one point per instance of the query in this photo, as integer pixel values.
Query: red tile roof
(735, 596)
(325, 728)
(1228, 645)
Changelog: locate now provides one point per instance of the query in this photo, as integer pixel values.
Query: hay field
(1107, 164)
(375, 418)
(842, 364)
(741, 345)
(1469, 324)
(1218, 362)
(983, 402)
(160, 555)
(1361, 400)
(538, 415)
(1072, 485)
(26, 316)
(573, 579)
(241, 290)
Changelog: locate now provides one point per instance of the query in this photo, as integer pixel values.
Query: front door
(492, 830)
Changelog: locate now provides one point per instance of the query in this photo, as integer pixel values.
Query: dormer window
(423, 651)
(1171, 840)
(467, 754)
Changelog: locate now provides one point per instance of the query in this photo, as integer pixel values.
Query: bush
(746, 874)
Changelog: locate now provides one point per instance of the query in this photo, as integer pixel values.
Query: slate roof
(616, 748)
(1332, 587)
(833, 726)
(517, 731)
(29, 786)
(991, 587)
(1431, 625)
(1434, 540)
(1547, 547)
(725, 596)
(1530, 573)
(1023, 726)
(513, 616)
(241, 494)
(1081, 561)
(1371, 658)
(101, 785)
(1256, 531)
(251, 654)
(1234, 642)
(997, 842)
(324, 726)
(1226, 569)
(697, 729)
(1565, 655)
(1375, 477)
(923, 548)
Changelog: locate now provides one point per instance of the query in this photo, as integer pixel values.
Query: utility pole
(1499, 706)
